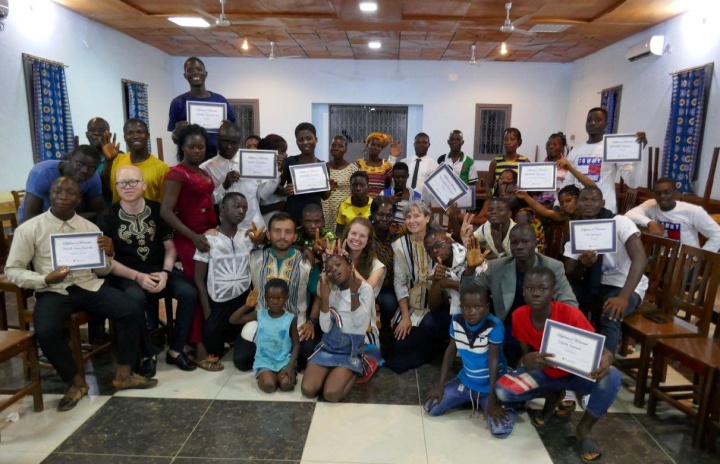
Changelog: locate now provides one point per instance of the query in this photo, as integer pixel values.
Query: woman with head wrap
(378, 170)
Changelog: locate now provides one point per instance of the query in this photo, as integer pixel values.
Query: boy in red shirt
(537, 378)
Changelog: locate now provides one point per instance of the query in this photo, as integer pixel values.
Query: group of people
(342, 282)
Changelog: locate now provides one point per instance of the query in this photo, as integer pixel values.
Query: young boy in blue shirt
(477, 336)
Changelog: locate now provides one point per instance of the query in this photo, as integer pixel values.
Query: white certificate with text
(258, 164)
(593, 235)
(574, 350)
(537, 177)
(208, 115)
(309, 178)
(621, 148)
(445, 186)
(76, 251)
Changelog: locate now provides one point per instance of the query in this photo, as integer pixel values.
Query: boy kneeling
(478, 336)
(537, 378)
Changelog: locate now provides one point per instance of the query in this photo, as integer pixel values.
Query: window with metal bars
(356, 122)
(247, 116)
(490, 123)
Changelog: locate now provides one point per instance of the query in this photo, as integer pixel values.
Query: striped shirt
(473, 345)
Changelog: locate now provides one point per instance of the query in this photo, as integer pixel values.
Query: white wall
(694, 40)
(446, 91)
(97, 56)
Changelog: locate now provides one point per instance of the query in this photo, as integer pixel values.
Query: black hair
(272, 142)
(230, 195)
(341, 137)
(400, 166)
(433, 229)
(571, 190)
(541, 271)
(305, 126)
(511, 171)
(362, 174)
(513, 129)
(86, 150)
(277, 283)
(136, 121)
(193, 58)
(665, 180)
(502, 200)
(381, 200)
(422, 134)
(100, 120)
(312, 208)
(561, 136)
(592, 188)
(600, 109)
(523, 228)
(458, 132)
(189, 131)
(280, 216)
(471, 288)
(253, 136)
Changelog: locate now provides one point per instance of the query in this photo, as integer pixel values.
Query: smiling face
(474, 307)
(665, 195)
(438, 246)
(415, 220)
(195, 73)
(422, 145)
(194, 149)
(125, 177)
(554, 148)
(306, 142)
(136, 136)
(338, 270)
(498, 212)
(338, 148)
(455, 142)
(228, 141)
(282, 234)
(538, 291)
(357, 237)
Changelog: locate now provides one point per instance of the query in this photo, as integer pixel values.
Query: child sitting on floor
(344, 317)
(276, 339)
(478, 336)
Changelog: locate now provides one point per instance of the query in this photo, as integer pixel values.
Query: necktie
(413, 184)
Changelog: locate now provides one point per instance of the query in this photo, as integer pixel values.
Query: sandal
(565, 409)
(211, 364)
(72, 397)
(538, 419)
(590, 446)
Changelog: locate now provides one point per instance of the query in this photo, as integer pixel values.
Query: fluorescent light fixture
(189, 21)
(503, 49)
(368, 7)
(245, 45)
(374, 44)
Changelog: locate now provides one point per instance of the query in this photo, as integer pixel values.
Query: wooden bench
(13, 343)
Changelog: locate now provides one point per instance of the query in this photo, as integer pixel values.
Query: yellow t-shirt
(347, 211)
(153, 171)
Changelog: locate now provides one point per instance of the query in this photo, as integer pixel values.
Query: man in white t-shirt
(678, 220)
(588, 159)
(616, 279)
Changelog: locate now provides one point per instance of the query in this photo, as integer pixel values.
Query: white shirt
(353, 322)
(616, 266)
(228, 265)
(427, 166)
(588, 159)
(680, 223)
(218, 167)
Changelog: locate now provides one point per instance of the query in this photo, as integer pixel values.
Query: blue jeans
(613, 329)
(523, 385)
(455, 395)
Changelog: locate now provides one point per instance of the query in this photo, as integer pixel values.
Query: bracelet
(352, 294)
(166, 271)
(313, 320)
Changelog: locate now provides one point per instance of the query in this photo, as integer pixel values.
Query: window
(356, 122)
(247, 117)
(490, 124)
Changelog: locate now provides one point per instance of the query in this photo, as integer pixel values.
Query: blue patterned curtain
(54, 136)
(685, 125)
(136, 98)
(610, 100)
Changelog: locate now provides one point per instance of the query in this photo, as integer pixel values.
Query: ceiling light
(189, 21)
(549, 28)
(368, 7)
(245, 45)
(503, 49)
(374, 44)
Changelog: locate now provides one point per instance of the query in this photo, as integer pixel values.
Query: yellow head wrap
(385, 139)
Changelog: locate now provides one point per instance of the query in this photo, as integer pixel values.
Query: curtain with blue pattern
(610, 100)
(53, 137)
(683, 137)
(136, 99)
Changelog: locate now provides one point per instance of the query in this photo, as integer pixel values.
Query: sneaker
(135, 381)
(370, 366)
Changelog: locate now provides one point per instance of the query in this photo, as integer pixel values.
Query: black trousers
(217, 327)
(52, 310)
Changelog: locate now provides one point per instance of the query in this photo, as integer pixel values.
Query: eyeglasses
(125, 183)
(437, 246)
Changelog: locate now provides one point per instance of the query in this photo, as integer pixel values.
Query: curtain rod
(692, 69)
(129, 81)
(611, 88)
(33, 57)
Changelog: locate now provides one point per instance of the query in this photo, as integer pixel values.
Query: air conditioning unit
(4, 9)
(655, 45)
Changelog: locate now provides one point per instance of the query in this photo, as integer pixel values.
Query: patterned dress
(377, 175)
(331, 205)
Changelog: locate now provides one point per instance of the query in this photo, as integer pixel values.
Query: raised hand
(324, 287)
(642, 138)
(440, 272)
(252, 298)
(110, 148)
(467, 228)
(396, 149)
(521, 194)
(257, 236)
(475, 256)
(319, 245)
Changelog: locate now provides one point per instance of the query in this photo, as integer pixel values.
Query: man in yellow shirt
(136, 136)
(357, 204)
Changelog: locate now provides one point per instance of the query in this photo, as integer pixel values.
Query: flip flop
(590, 446)
(504, 427)
(565, 409)
(538, 419)
(211, 364)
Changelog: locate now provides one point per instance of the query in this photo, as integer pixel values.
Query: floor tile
(366, 433)
(386, 387)
(20, 457)
(620, 437)
(673, 433)
(454, 436)
(230, 461)
(44, 431)
(62, 458)
(137, 427)
(251, 430)
(243, 386)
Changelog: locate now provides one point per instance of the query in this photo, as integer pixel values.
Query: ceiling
(407, 29)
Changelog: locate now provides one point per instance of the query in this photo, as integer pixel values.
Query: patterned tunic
(331, 205)
(377, 175)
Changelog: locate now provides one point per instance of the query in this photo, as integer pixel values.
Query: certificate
(445, 186)
(575, 350)
(537, 177)
(309, 178)
(208, 115)
(76, 251)
(467, 201)
(596, 235)
(621, 148)
(258, 164)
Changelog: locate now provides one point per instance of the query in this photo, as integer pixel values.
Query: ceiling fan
(271, 56)
(510, 27)
(221, 21)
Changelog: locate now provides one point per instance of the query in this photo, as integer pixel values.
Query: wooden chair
(662, 256)
(21, 295)
(13, 343)
(626, 200)
(18, 196)
(702, 356)
(694, 286)
(84, 350)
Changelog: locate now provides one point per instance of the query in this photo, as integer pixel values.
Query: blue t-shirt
(402, 204)
(178, 112)
(41, 177)
(473, 345)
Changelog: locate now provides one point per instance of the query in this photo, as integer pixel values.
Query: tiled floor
(202, 417)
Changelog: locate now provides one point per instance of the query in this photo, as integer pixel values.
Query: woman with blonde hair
(378, 170)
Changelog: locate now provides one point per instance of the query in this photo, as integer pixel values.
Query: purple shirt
(178, 112)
